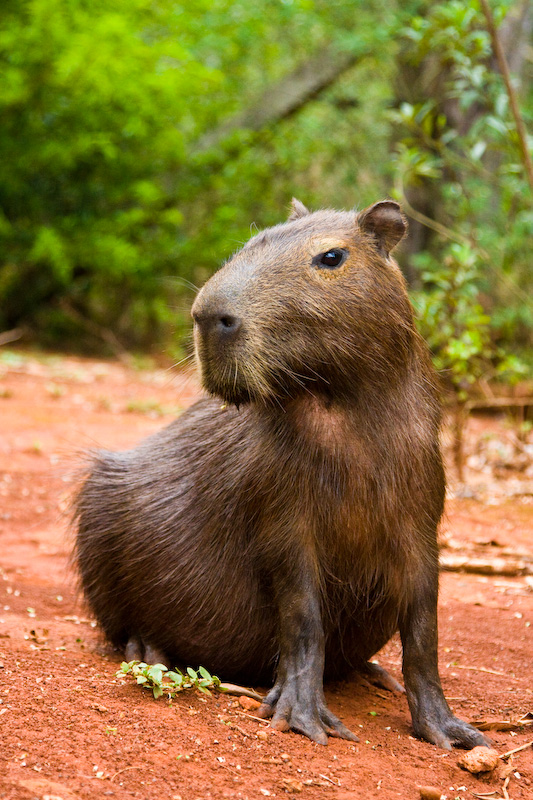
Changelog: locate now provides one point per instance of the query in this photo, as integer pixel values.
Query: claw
(452, 731)
(380, 677)
(336, 728)
(264, 711)
(320, 737)
(311, 717)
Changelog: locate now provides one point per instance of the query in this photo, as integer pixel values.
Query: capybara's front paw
(309, 715)
(446, 731)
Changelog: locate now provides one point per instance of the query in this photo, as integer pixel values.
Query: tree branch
(504, 69)
(287, 96)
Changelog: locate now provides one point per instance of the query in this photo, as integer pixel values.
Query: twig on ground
(516, 750)
(240, 691)
(251, 716)
(483, 566)
(481, 669)
(325, 777)
(134, 766)
(486, 794)
(242, 731)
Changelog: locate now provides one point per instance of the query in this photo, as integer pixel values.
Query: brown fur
(296, 522)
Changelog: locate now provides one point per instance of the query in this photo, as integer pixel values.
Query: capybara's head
(314, 304)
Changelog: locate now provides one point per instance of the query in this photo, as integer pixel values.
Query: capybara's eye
(331, 259)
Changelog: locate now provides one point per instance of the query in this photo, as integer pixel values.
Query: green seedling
(170, 682)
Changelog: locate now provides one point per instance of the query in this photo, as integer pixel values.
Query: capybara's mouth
(227, 384)
(233, 396)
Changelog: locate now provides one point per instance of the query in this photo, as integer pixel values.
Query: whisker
(182, 361)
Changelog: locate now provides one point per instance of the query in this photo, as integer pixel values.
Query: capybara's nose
(221, 325)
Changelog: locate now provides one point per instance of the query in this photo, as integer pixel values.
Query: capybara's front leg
(297, 699)
(431, 715)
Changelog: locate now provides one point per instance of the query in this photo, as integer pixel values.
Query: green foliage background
(112, 204)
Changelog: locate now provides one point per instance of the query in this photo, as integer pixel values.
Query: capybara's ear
(297, 210)
(385, 221)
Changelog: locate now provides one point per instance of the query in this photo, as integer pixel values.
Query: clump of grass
(170, 682)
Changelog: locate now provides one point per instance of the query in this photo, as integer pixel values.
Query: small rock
(430, 793)
(480, 759)
(249, 703)
(262, 734)
(292, 786)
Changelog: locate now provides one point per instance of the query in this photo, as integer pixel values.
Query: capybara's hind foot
(137, 650)
(380, 677)
(302, 711)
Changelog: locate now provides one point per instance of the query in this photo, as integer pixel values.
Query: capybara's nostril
(218, 325)
(227, 323)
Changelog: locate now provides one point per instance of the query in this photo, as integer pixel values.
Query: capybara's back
(287, 526)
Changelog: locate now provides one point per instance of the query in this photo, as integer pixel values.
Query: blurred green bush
(122, 185)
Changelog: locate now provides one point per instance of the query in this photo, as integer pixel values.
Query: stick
(516, 750)
(504, 69)
(484, 566)
(240, 691)
(134, 766)
(482, 669)
(241, 730)
(327, 779)
(251, 716)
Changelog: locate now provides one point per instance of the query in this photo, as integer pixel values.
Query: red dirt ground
(71, 729)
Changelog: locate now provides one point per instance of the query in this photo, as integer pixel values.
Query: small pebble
(430, 793)
(249, 703)
(480, 759)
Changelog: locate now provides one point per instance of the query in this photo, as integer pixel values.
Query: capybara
(285, 528)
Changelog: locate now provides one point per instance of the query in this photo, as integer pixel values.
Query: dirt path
(69, 728)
